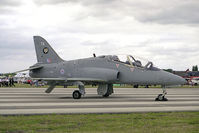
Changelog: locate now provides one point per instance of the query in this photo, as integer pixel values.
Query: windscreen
(130, 60)
(134, 61)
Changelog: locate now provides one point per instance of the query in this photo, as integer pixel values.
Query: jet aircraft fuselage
(103, 71)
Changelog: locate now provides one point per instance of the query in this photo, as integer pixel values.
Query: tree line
(194, 69)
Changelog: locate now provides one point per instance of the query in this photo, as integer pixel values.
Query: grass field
(174, 122)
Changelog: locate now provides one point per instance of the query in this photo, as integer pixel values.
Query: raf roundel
(62, 71)
(45, 50)
(49, 60)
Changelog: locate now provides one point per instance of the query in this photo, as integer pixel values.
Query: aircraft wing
(86, 79)
(51, 79)
(31, 68)
(71, 79)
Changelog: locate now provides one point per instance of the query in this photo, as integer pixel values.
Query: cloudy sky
(165, 32)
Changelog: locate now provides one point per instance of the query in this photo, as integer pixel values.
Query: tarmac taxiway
(14, 101)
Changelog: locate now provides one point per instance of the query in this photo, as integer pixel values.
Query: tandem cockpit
(131, 61)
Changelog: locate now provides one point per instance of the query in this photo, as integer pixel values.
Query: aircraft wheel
(161, 98)
(136, 86)
(77, 94)
(106, 95)
(165, 99)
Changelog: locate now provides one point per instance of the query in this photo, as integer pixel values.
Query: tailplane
(45, 53)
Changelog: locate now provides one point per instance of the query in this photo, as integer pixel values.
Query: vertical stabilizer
(45, 53)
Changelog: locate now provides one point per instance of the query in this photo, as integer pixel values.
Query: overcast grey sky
(165, 32)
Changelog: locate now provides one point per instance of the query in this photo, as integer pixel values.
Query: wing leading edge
(71, 79)
(31, 68)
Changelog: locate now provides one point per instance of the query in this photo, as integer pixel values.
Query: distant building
(181, 73)
(195, 74)
(186, 74)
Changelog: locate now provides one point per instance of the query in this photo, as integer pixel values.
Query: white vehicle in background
(195, 81)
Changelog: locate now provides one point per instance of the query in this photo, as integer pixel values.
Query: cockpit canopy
(130, 61)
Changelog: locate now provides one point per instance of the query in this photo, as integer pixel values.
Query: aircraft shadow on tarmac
(92, 97)
(123, 98)
(110, 98)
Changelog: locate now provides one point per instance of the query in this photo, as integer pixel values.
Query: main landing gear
(103, 89)
(77, 94)
(106, 95)
(161, 97)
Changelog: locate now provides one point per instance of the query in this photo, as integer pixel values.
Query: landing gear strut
(78, 93)
(161, 97)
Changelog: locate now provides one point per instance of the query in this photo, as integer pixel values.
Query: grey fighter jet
(103, 71)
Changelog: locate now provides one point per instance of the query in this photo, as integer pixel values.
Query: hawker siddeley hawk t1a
(103, 71)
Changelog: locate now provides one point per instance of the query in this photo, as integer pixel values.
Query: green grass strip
(173, 122)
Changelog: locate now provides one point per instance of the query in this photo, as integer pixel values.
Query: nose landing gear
(161, 97)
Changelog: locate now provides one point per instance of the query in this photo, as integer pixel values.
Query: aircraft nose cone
(182, 81)
(178, 80)
(172, 79)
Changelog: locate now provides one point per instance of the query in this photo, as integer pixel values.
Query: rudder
(45, 53)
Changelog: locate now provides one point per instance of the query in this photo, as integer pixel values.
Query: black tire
(165, 99)
(106, 95)
(77, 94)
(161, 99)
(136, 86)
(156, 99)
